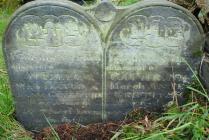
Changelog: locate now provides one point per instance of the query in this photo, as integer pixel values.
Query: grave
(69, 63)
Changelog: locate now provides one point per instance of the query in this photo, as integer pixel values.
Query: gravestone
(146, 57)
(91, 64)
(204, 68)
(54, 58)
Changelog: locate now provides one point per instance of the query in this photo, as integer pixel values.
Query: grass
(124, 2)
(187, 122)
(10, 129)
(54, 135)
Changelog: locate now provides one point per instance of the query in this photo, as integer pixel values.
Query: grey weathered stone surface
(146, 55)
(54, 58)
(88, 64)
(206, 46)
(204, 71)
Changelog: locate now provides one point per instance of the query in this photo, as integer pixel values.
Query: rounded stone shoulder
(59, 3)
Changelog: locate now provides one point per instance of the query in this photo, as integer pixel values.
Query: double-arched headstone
(90, 64)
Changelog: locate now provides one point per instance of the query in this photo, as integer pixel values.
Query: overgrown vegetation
(9, 5)
(124, 2)
(187, 122)
(10, 129)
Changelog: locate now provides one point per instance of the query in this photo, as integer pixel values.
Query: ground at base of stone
(99, 131)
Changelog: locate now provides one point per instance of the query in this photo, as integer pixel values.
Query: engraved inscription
(155, 31)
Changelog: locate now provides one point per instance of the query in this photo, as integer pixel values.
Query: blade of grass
(131, 138)
(117, 134)
(52, 128)
(168, 131)
(199, 92)
(196, 77)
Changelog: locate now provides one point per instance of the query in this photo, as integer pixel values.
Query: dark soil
(99, 131)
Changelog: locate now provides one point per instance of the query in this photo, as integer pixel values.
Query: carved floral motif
(65, 31)
(155, 31)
